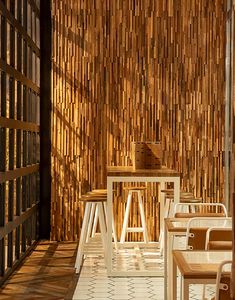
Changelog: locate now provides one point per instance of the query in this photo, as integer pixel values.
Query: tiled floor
(136, 258)
(94, 284)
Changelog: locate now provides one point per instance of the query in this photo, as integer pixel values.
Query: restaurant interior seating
(117, 149)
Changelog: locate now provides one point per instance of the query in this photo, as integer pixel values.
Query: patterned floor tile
(95, 284)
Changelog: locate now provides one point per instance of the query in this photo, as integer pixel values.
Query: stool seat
(93, 198)
(190, 200)
(99, 191)
(135, 188)
(167, 191)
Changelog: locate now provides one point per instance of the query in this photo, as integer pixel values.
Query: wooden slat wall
(141, 70)
(232, 177)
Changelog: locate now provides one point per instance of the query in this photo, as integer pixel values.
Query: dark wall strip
(45, 122)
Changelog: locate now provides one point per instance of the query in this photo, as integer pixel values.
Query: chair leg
(83, 237)
(142, 217)
(126, 217)
(93, 208)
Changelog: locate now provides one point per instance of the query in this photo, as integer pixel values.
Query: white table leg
(169, 262)
(165, 261)
(162, 204)
(109, 224)
(185, 289)
(173, 288)
(176, 190)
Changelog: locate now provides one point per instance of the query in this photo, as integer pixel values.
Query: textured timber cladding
(128, 71)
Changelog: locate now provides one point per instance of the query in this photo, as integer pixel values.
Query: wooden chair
(168, 211)
(200, 210)
(223, 281)
(200, 235)
(143, 228)
(196, 233)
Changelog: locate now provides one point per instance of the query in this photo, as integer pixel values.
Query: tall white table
(128, 174)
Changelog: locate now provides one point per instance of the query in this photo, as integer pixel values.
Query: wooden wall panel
(135, 71)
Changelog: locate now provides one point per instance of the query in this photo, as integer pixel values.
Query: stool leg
(93, 208)
(142, 217)
(103, 229)
(192, 209)
(95, 222)
(114, 233)
(126, 217)
(113, 226)
(83, 237)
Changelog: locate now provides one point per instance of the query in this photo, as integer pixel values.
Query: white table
(177, 227)
(128, 174)
(196, 267)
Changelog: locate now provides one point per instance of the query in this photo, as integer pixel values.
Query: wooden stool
(92, 202)
(125, 227)
(185, 197)
(94, 216)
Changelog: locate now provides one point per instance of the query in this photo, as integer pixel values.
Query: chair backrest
(197, 229)
(201, 209)
(223, 281)
(218, 238)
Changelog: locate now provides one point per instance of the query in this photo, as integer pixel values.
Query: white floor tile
(95, 284)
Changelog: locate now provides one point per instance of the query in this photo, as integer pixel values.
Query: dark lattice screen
(19, 129)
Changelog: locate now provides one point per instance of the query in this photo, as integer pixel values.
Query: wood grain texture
(47, 273)
(126, 71)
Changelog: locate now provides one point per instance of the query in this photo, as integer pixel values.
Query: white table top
(130, 171)
(174, 224)
(200, 264)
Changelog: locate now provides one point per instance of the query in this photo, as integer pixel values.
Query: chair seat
(193, 215)
(220, 245)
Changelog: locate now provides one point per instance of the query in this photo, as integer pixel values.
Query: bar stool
(185, 197)
(92, 202)
(143, 228)
(92, 228)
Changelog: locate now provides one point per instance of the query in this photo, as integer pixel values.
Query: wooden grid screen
(128, 71)
(19, 130)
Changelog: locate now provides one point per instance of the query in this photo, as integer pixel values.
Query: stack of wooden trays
(146, 155)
